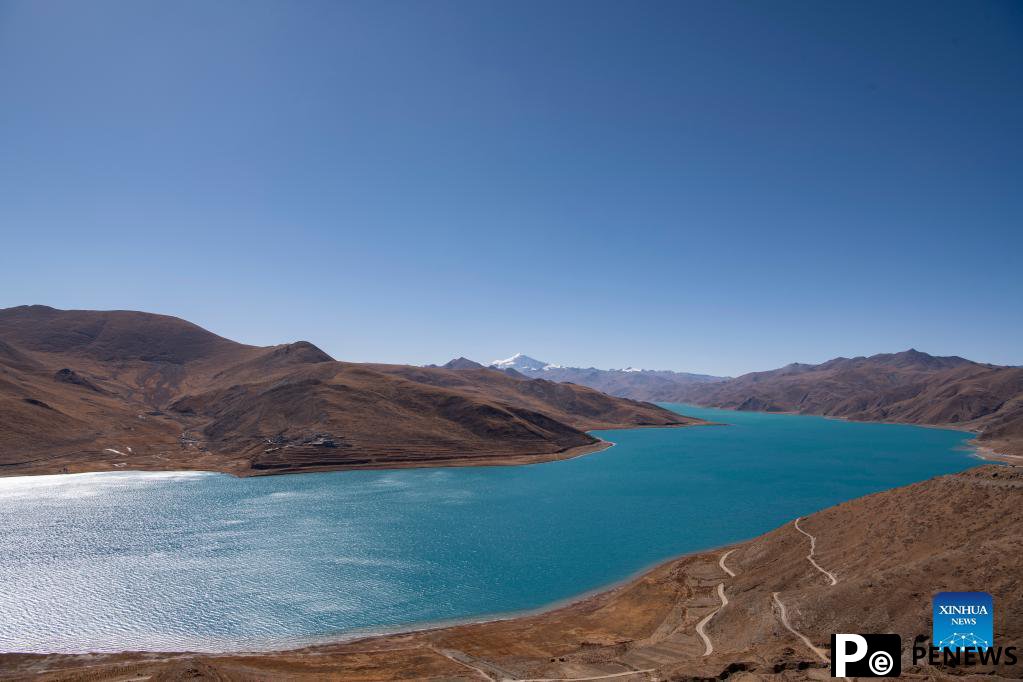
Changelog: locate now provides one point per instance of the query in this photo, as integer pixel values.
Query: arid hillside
(760, 610)
(910, 387)
(88, 390)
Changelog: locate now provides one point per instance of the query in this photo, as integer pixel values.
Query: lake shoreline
(982, 451)
(602, 634)
(239, 469)
(660, 462)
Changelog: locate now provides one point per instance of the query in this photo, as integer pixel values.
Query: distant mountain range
(86, 390)
(630, 382)
(911, 386)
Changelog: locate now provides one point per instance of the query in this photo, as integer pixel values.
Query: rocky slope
(88, 390)
(911, 387)
(759, 610)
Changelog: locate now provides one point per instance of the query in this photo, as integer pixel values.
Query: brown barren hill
(911, 387)
(91, 390)
(758, 610)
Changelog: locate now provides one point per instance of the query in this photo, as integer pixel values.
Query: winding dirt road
(488, 670)
(813, 546)
(785, 621)
(627, 673)
(463, 660)
(721, 563)
(783, 614)
(709, 646)
(706, 619)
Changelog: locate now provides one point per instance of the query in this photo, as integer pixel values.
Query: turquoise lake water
(208, 562)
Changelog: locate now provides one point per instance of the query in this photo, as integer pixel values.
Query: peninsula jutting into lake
(99, 391)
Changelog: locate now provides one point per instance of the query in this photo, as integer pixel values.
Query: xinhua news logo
(866, 655)
(963, 620)
(963, 633)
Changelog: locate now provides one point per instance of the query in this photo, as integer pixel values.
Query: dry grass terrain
(88, 391)
(910, 387)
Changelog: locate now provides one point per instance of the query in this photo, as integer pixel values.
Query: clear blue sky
(706, 186)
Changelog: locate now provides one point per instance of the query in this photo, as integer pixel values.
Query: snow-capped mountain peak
(521, 363)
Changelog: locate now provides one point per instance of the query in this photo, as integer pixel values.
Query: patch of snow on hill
(521, 363)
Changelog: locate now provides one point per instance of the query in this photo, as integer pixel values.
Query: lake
(208, 562)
